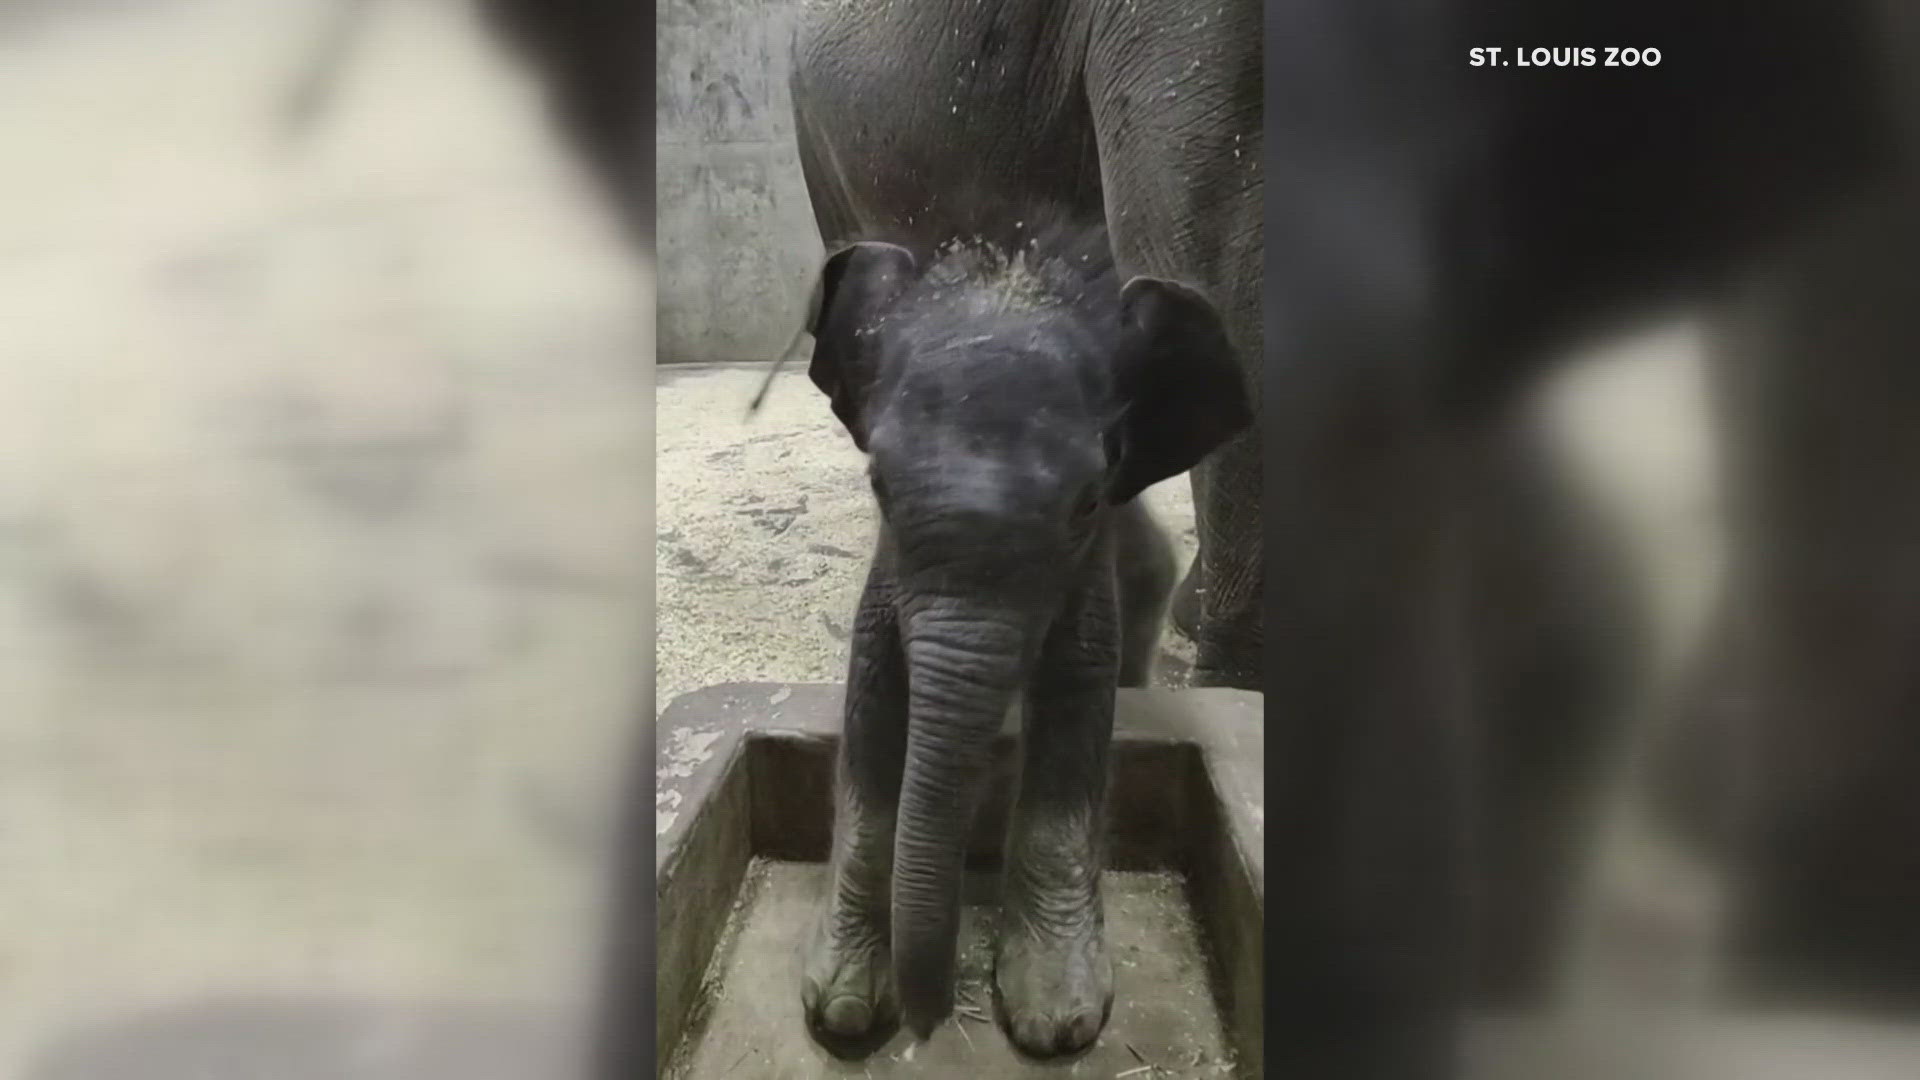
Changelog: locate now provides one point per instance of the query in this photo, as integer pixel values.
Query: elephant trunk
(964, 667)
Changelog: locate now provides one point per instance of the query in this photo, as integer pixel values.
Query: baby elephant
(1013, 399)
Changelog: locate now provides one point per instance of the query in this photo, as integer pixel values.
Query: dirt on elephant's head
(1050, 264)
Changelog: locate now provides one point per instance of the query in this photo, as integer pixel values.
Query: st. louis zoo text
(1602, 56)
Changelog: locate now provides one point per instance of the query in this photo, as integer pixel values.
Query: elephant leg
(1190, 595)
(1692, 766)
(1826, 451)
(1231, 635)
(1180, 147)
(1052, 976)
(1366, 462)
(1554, 636)
(848, 986)
(1372, 782)
(1185, 616)
(1144, 569)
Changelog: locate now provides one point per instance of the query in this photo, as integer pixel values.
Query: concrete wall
(737, 245)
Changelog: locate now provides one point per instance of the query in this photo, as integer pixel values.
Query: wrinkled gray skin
(922, 122)
(953, 117)
(1010, 415)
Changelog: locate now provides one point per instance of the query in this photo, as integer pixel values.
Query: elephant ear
(1183, 389)
(856, 285)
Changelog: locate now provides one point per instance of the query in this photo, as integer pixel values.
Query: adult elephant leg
(1364, 467)
(1693, 766)
(1554, 634)
(1232, 630)
(848, 985)
(1180, 144)
(1052, 974)
(1187, 596)
(1144, 570)
(1370, 800)
(1828, 870)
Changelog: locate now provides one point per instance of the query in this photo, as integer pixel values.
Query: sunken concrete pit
(743, 826)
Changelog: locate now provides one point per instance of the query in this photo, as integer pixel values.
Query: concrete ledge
(320, 1039)
(746, 769)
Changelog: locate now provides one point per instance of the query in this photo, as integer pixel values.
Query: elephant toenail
(1034, 1035)
(1079, 1032)
(847, 1015)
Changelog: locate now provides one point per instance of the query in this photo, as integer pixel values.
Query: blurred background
(325, 489)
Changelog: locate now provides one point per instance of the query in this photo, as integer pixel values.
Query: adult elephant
(920, 122)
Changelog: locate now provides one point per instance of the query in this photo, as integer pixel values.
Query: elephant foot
(1226, 667)
(1054, 986)
(848, 985)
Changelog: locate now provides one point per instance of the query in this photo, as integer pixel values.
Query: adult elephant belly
(921, 122)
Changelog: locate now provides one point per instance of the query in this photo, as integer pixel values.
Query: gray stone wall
(737, 243)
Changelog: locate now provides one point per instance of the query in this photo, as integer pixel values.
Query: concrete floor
(324, 489)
